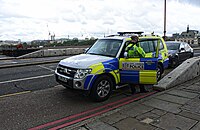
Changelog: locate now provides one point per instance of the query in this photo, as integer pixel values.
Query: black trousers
(133, 88)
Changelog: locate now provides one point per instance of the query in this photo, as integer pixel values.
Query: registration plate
(62, 79)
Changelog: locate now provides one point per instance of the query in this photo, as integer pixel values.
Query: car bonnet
(83, 61)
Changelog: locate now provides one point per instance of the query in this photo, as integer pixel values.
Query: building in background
(189, 36)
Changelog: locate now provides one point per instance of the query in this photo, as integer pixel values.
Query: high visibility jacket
(134, 51)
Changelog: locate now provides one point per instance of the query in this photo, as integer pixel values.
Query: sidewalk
(174, 109)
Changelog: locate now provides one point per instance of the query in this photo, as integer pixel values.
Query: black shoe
(133, 90)
(142, 89)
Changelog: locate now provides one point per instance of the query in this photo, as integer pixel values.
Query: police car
(104, 67)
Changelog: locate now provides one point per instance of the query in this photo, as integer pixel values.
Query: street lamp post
(165, 19)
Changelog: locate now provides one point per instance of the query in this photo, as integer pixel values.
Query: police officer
(133, 50)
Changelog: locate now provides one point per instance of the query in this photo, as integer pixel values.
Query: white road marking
(46, 68)
(29, 78)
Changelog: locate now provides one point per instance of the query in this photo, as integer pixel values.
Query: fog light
(78, 84)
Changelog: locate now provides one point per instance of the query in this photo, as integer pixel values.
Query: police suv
(104, 66)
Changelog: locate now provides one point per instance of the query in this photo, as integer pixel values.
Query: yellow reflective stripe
(116, 75)
(97, 68)
(127, 60)
(148, 77)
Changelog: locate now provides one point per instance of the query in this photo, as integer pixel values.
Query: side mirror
(126, 55)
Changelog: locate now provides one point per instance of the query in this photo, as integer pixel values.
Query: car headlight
(81, 73)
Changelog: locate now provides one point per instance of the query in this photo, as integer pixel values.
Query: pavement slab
(193, 88)
(113, 118)
(193, 105)
(136, 110)
(98, 125)
(196, 127)
(148, 115)
(163, 105)
(191, 115)
(158, 112)
(182, 93)
(79, 128)
(133, 124)
(158, 129)
(172, 98)
(174, 122)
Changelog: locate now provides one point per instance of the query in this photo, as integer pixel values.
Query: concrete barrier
(53, 52)
(188, 70)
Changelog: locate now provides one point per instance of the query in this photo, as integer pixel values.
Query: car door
(138, 70)
(163, 52)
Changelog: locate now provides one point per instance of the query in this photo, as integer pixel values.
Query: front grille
(67, 71)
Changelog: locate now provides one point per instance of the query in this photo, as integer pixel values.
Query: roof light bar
(130, 33)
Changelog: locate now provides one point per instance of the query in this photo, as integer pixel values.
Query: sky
(36, 19)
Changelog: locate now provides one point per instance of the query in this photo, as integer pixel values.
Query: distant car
(178, 52)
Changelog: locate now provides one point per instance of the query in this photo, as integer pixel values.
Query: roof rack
(130, 33)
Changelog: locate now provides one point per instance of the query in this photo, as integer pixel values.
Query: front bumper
(71, 82)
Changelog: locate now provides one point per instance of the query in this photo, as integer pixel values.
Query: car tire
(159, 72)
(175, 62)
(192, 55)
(102, 88)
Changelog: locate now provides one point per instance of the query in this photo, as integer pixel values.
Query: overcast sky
(34, 19)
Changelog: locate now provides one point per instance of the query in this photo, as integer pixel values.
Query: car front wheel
(175, 62)
(102, 88)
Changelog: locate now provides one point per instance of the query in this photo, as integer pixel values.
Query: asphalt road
(14, 62)
(30, 96)
(27, 78)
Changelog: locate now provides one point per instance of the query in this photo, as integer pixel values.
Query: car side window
(161, 45)
(148, 46)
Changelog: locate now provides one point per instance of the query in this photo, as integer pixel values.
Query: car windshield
(173, 46)
(105, 47)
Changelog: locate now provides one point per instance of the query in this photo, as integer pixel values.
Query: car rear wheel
(159, 72)
(192, 55)
(102, 88)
